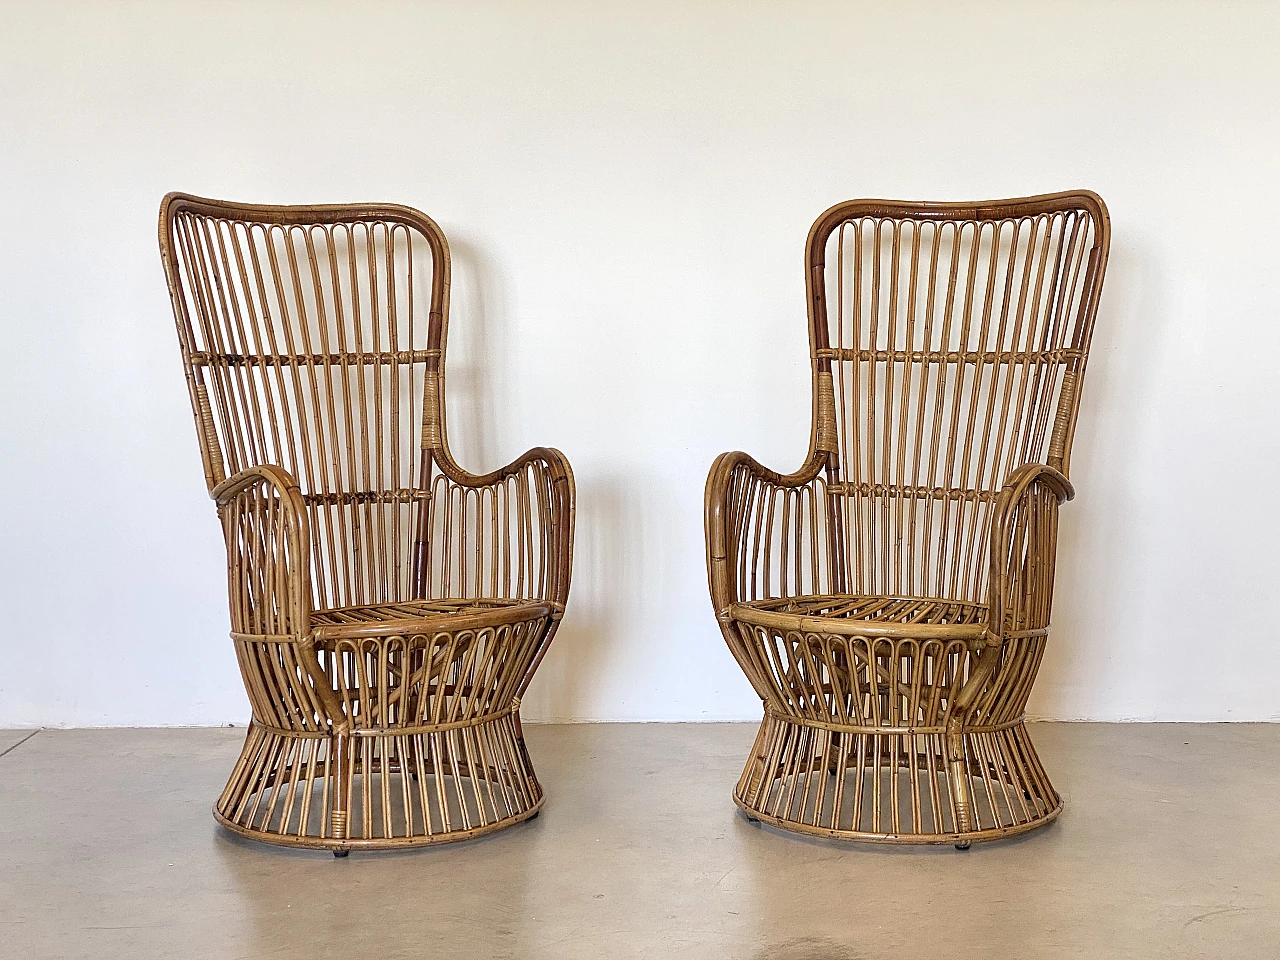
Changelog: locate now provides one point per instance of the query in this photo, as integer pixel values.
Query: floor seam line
(19, 743)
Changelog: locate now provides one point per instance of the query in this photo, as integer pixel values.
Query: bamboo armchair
(388, 609)
(890, 600)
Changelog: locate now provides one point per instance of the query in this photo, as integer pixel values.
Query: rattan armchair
(388, 608)
(890, 600)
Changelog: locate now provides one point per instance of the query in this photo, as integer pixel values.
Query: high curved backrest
(313, 339)
(949, 344)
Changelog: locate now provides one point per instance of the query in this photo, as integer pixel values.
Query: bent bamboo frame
(388, 608)
(890, 601)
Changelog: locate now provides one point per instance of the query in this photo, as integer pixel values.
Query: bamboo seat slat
(413, 610)
(422, 619)
(867, 616)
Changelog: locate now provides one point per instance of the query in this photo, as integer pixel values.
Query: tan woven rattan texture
(388, 608)
(890, 601)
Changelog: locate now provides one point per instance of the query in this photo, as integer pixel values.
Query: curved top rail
(979, 210)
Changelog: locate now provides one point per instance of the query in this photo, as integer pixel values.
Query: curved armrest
(1024, 542)
(265, 520)
(738, 510)
(1023, 551)
(506, 533)
(268, 537)
(278, 477)
(549, 457)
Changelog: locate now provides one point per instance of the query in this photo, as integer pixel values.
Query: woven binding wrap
(826, 412)
(213, 451)
(431, 439)
(1062, 422)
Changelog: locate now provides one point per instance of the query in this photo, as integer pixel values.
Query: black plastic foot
(341, 853)
(535, 815)
(751, 819)
(962, 845)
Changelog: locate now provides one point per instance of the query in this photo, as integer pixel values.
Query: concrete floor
(1169, 847)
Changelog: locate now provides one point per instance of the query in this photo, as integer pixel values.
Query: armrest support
(507, 533)
(1022, 554)
(268, 539)
(264, 519)
(1024, 541)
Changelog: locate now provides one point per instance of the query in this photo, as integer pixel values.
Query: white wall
(627, 187)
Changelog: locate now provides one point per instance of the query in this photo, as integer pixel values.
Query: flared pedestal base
(377, 789)
(906, 786)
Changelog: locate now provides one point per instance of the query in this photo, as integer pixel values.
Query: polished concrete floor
(1169, 848)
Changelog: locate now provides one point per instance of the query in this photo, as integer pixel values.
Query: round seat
(855, 739)
(429, 735)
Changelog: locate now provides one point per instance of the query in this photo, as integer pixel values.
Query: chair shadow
(483, 395)
(477, 368)
(1094, 578)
